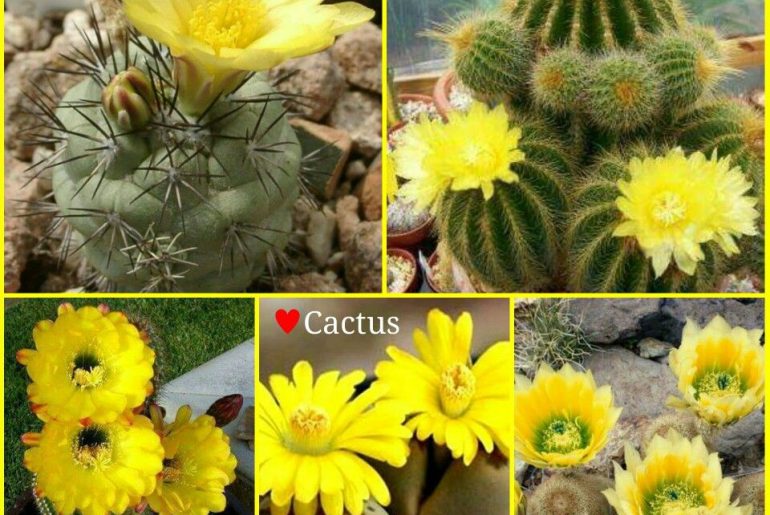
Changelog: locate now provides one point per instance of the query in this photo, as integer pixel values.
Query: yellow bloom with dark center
(97, 468)
(197, 465)
(677, 476)
(312, 438)
(719, 370)
(216, 42)
(455, 401)
(472, 150)
(88, 364)
(561, 418)
(674, 203)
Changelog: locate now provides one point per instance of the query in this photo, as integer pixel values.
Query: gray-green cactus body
(181, 203)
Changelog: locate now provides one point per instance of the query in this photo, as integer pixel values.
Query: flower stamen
(92, 448)
(310, 426)
(562, 436)
(227, 23)
(87, 371)
(457, 387)
(674, 497)
(718, 383)
(669, 208)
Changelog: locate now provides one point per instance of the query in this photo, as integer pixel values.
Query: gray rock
(311, 282)
(359, 54)
(640, 386)
(320, 235)
(360, 115)
(605, 321)
(362, 244)
(627, 430)
(317, 77)
(737, 439)
(75, 21)
(653, 348)
(675, 312)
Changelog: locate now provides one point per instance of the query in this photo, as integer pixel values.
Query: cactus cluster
(593, 86)
(158, 199)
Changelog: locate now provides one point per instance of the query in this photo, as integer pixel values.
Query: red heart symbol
(287, 319)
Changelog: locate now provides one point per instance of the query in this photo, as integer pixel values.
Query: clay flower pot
(432, 262)
(411, 283)
(441, 92)
(410, 238)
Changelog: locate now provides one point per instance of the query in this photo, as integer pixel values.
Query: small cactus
(570, 494)
(750, 490)
(559, 80)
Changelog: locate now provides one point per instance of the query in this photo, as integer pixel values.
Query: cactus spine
(160, 200)
(570, 494)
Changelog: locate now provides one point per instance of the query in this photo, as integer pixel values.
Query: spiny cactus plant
(570, 494)
(175, 170)
(607, 194)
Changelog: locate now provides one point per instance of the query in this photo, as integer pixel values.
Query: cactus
(616, 81)
(570, 494)
(750, 489)
(160, 200)
(511, 242)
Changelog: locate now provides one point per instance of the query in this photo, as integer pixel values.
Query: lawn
(185, 334)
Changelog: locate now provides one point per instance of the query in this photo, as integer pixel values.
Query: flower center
(458, 385)
(673, 497)
(87, 371)
(227, 23)
(718, 383)
(668, 208)
(92, 448)
(172, 470)
(310, 426)
(562, 435)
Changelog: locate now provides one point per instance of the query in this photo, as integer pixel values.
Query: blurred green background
(185, 333)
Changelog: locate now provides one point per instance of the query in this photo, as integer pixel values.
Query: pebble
(360, 114)
(359, 54)
(651, 348)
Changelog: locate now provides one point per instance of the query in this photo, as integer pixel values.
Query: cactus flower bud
(226, 409)
(127, 99)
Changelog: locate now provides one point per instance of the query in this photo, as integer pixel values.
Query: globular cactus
(570, 494)
(511, 241)
(490, 55)
(594, 25)
(750, 490)
(559, 80)
(158, 199)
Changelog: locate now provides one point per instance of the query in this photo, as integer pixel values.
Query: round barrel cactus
(158, 199)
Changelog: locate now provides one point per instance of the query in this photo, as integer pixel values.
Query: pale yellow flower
(215, 41)
(674, 203)
(561, 419)
(676, 477)
(720, 371)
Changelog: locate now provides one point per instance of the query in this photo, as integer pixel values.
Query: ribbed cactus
(161, 200)
(594, 25)
(617, 81)
(511, 241)
(570, 494)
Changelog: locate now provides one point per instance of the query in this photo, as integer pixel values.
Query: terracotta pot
(441, 93)
(405, 254)
(432, 262)
(411, 238)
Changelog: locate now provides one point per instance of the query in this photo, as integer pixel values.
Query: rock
(369, 191)
(612, 321)
(356, 170)
(362, 244)
(652, 348)
(640, 386)
(481, 488)
(359, 54)
(627, 430)
(737, 439)
(331, 150)
(745, 313)
(22, 234)
(360, 114)
(20, 31)
(318, 78)
(312, 282)
(750, 489)
(76, 21)
(303, 207)
(336, 262)
(320, 235)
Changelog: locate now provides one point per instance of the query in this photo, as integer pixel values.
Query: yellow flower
(216, 42)
(677, 476)
(471, 151)
(457, 402)
(561, 418)
(673, 204)
(312, 437)
(197, 465)
(720, 371)
(88, 364)
(97, 468)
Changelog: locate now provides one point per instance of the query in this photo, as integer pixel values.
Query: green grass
(185, 334)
